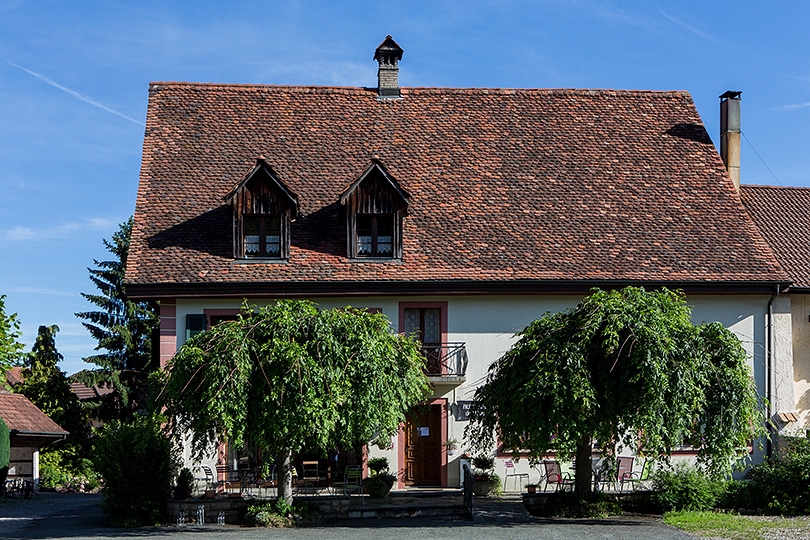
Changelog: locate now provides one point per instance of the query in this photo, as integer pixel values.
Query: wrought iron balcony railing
(445, 359)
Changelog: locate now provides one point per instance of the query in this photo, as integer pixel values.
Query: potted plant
(452, 446)
(531, 488)
(380, 481)
(184, 484)
(485, 481)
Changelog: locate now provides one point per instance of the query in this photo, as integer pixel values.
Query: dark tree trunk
(284, 475)
(583, 474)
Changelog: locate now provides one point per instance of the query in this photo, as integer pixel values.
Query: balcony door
(425, 324)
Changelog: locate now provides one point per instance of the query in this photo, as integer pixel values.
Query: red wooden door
(423, 446)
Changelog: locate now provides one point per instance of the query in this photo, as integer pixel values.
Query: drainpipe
(769, 370)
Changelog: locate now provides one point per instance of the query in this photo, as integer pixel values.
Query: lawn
(718, 525)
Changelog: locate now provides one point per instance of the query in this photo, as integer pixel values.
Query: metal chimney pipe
(730, 134)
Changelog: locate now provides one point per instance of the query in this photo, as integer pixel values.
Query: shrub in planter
(137, 462)
(485, 481)
(381, 481)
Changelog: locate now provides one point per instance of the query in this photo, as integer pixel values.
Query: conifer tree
(48, 388)
(123, 328)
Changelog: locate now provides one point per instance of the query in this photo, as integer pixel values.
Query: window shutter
(194, 325)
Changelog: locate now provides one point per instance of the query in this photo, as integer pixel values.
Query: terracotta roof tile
(782, 214)
(20, 414)
(505, 184)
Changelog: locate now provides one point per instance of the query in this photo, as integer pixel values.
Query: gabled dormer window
(375, 207)
(263, 208)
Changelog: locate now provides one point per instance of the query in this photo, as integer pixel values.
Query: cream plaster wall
(800, 304)
(487, 325)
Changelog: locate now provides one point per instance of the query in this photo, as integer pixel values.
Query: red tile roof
(14, 376)
(84, 392)
(782, 215)
(506, 185)
(21, 415)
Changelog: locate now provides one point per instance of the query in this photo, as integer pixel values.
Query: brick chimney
(388, 54)
(730, 134)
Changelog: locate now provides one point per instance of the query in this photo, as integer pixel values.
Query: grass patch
(735, 527)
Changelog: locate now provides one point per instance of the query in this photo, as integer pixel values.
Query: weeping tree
(290, 378)
(123, 329)
(622, 369)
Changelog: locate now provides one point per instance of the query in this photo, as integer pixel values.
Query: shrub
(684, 488)
(377, 465)
(483, 463)
(184, 485)
(137, 462)
(280, 514)
(779, 486)
(67, 471)
(5, 448)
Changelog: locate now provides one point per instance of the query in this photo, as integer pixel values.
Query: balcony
(446, 363)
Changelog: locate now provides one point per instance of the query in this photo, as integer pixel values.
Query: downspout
(769, 370)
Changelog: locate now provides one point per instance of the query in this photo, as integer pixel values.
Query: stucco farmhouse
(461, 213)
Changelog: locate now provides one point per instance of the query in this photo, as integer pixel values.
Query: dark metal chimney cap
(387, 48)
(731, 94)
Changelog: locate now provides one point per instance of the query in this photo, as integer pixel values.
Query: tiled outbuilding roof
(506, 185)
(782, 215)
(23, 416)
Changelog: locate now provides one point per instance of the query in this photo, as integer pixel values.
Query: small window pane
(273, 246)
(364, 245)
(252, 238)
(385, 247)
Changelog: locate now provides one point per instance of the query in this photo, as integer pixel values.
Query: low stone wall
(333, 506)
(632, 501)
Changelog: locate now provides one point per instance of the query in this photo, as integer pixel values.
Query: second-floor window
(375, 235)
(262, 236)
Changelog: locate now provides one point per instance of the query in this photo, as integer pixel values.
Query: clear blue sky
(74, 78)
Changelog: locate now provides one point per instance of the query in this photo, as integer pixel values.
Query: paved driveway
(79, 517)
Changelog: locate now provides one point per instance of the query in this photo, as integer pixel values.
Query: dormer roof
(376, 167)
(263, 170)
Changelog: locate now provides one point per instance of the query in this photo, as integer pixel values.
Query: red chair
(554, 476)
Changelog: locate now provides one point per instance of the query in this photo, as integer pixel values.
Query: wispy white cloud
(75, 94)
(37, 290)
(64, 230)
(793, 106)
(688, 26)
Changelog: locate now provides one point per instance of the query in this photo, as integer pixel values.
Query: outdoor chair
(352, 480)
(511, 472)
(636, 478)
(611, 471)
(223, 480)
(210, 483)
(554, 476)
